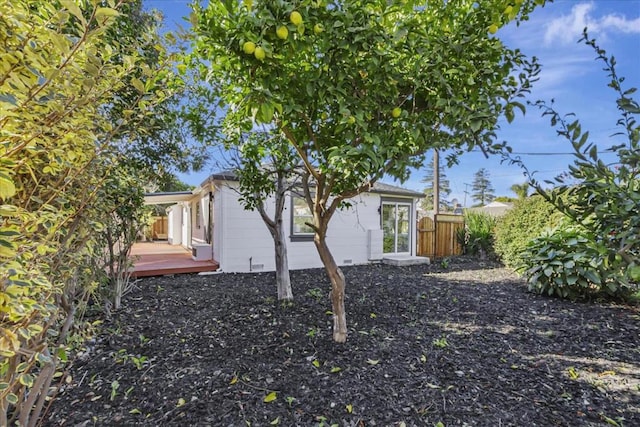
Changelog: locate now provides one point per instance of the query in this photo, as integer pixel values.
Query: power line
(552, 153)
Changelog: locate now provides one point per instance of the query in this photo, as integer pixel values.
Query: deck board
(160, 258)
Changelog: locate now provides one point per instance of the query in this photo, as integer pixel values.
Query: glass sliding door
(396, 227)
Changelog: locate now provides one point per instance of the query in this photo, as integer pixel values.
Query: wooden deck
(161, 258)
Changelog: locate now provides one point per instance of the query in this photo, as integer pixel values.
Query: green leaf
(7, 187)
(270, 397)
(26, 380)
(138, 85)
(106, 12)
(73, 8)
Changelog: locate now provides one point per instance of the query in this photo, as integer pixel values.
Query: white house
(211, 222)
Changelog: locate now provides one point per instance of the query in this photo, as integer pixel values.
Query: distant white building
(494, 208)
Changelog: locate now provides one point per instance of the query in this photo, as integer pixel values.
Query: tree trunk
(337, 289)
(275, 227)
(283, 279)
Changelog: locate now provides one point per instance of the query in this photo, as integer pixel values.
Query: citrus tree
(266, 168)
(61, 70)
(362, 88)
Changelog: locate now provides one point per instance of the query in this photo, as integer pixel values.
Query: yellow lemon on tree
(317, 29)
(351, 120)
(282, 32)
(493, 29)
(508, 10)
(249, 47)
(395, 113)
(259, 53)
(295, 18)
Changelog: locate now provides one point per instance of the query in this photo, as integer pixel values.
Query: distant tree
(482, 190)
(444, 187)
(171, 183)
(521, 190)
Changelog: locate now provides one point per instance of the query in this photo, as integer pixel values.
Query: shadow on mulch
(465, 345)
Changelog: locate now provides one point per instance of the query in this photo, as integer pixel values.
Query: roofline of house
(395, 190)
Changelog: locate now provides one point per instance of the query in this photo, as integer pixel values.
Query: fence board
(437, 239)
(160, 227)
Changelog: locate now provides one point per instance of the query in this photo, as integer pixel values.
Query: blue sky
(570, 75)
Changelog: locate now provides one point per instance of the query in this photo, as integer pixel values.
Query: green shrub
(520, 225)
(570, 262)
(477, 236)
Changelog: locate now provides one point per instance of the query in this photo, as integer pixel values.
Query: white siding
(174, 225)
(242, 242)
(200, 225)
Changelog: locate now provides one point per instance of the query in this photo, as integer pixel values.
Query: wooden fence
(159, 229)
(437, 238)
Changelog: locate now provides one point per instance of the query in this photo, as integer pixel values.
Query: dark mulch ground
(461, 345)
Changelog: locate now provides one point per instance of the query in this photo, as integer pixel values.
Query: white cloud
(567, 29)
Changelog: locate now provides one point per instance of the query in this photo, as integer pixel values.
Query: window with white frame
(300, 216)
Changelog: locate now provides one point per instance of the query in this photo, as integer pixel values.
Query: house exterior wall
(242, 242)
(200, 218)
(174, 225)
(185, 226)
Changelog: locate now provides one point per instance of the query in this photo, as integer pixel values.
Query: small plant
(128, 392)
(315, 293)
(115, 385)
(441, 342)
(444, 263)
(143, 339)
(121, 356)
(313, 332)
(139, 362)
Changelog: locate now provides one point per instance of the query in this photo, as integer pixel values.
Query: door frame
(398, 202)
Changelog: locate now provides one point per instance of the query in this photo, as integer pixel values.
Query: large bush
(570, 262)
(63, 77)
(600, 197)
(520, 225)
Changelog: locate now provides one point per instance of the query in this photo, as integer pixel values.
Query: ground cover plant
(457, 343)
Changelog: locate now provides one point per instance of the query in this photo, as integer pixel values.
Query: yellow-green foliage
(56, 72)
(520, 225)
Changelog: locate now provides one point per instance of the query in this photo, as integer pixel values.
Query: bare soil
(457, 344)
